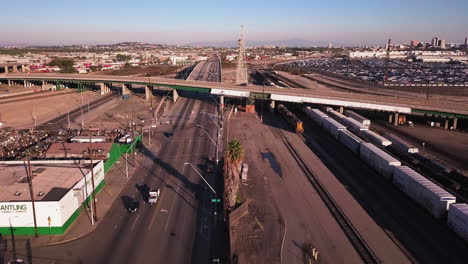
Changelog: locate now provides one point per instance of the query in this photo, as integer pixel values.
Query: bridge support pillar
(148, 92)
(9, 83)
(15, 68)
(221, 102)
(23, 69)
(6, 69)
(341, 110)
(390, 118)
(102, 88)
(43, 85)
(175, 95)
(396, 120)
(446, 125)
(455, 123)
(25, 83)
(272, 106)
(125, 89)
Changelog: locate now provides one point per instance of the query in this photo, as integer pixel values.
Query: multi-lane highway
(179, 227)
(209, 70)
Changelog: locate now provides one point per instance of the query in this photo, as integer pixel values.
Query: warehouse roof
(64, 150)
(50, 181)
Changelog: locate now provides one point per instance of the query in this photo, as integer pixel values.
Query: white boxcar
(332, 126)
(378, 159)
(357, 117)
(375, 138)
(350, 140)
(334, 114)
(353, 125)
(458, 219)
(401, 145)
(430, 196)
(315, 115)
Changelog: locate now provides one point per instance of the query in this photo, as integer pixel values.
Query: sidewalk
(115, 181)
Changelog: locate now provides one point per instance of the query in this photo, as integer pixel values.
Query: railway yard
(324, 184)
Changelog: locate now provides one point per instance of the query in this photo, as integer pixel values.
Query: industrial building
(79, 150)
(59, 191)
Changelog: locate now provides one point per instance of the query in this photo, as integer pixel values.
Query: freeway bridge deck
(389, 103)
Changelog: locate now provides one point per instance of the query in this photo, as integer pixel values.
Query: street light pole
(188, 163)
(217, 159)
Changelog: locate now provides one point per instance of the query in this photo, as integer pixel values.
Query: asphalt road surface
(209, 70)
(178, 228)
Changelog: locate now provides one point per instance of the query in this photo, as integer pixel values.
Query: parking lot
(399, 71)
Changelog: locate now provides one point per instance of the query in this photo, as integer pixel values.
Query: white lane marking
(170, 213)
(136, 219)
(115, 227)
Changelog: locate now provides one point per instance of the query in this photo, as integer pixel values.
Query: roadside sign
(215, 200)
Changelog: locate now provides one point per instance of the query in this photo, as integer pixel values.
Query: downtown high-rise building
(435, 41)
(441, 43)
(466, 42)
(414, 43)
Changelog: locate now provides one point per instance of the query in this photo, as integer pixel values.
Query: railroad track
(56, 123)
(31, 96)
(366, 254)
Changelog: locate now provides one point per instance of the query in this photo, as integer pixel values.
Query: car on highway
(130, 204)
(133, 206)
(153, 196)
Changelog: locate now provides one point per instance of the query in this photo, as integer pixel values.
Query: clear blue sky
(186, 21)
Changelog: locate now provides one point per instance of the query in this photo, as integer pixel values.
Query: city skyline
(343, 23)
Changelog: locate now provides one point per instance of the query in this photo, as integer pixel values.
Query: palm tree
(234, 152)
(233, 157)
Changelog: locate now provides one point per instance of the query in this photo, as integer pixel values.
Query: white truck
(153, 196)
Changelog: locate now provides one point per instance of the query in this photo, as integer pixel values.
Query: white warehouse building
(59, 193)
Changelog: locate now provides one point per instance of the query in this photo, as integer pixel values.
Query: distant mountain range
(12, 44)
(295, 42)
(288, 43)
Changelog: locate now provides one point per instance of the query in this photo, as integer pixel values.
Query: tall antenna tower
(387, 61)
(241, 73)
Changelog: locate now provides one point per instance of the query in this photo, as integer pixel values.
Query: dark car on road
(130, 204)
(133, 206)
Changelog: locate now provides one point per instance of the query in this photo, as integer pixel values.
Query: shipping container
(458, 219)
(315, 115)
(354, 125)
(401, 145)
(350, 140)
(332, 126)
(378, 159)
(357, 117)
(375, 138)
(421, 190)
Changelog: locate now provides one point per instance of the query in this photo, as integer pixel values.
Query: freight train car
(294, 122)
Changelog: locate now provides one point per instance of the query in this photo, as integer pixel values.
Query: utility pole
(31, 192)
(93, 196)
(387, 61)
(81, 109)
(263, 99)
(68, 117)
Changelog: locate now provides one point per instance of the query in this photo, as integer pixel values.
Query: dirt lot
(119, 113)
(21, 115)
(286, 216)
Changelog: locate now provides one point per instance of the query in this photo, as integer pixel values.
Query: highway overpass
(433, 106)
